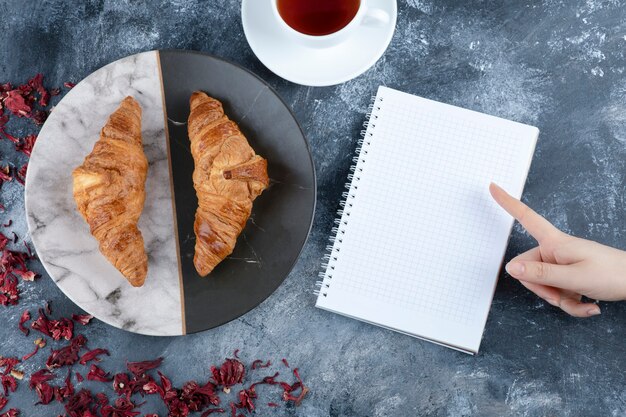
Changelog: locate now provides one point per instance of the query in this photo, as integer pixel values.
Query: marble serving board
(174, 299)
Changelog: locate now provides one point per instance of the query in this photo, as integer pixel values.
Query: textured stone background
(558, 65)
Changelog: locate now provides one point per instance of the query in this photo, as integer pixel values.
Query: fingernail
(515, 268)
(594, 311)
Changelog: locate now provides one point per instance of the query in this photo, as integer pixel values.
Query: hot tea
(318, 17)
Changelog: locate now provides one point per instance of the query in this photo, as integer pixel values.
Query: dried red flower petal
(198, 397)
(137, 383)
(123, 407)
(140, 368)
(8, 224)
(28, 251)
(23, 319)
(211, 411)
(69, 84)
(55, 91)
(21, 174)
(39, 377)
(285, 362)
(8, 364)
(12, 138)
(10, 261)
(121, 384)
(230, 373)
(31, 354)
(9, 383)
(97, 374)
(25, 275)
(190, 398)
(269, 380)
(13, 412)
(83, 319)
(3, 401)
(287, 395)
(5, 174)
(272, 405)
(92, 355)
(15, 102)
(39, 116)
(67, 355)
(170, 396)
(79, 377)
(259, 364)
(287, 387)
(26, 144)
(80, 404)
(233, 411)
(177, 408)
(66, 391)
(36, 83)
(102, 399)
(166, 384)
(245, 399)
(152, 387)
(9, 294)
(126, 385)
(56, 329)
(45, 392)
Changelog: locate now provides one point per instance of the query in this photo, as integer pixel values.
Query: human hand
(563, 268)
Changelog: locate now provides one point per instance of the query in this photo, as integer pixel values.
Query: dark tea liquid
(318, 17)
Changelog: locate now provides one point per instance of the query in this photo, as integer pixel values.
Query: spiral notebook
(418, 244)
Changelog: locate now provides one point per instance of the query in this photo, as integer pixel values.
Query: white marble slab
(61, 237)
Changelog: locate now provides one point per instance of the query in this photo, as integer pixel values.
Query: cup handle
(375, 17)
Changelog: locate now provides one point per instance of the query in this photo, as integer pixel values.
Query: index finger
(537, 226)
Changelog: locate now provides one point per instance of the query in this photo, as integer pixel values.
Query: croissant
(109, 190)
(228, 176)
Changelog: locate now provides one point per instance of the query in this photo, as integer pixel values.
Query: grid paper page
(421, 239)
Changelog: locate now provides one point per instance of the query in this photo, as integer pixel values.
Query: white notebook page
(421, 240)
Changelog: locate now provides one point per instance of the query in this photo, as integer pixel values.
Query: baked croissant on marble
(228, 176)
(109, 190)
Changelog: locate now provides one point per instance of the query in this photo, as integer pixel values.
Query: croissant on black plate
(228, 176)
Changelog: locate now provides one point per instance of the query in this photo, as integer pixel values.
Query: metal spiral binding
(343, 213)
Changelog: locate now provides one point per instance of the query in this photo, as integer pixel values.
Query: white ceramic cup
(365, 16)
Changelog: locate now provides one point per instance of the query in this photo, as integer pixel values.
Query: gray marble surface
(558, 65)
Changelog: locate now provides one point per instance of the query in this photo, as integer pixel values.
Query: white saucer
(304, 65)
